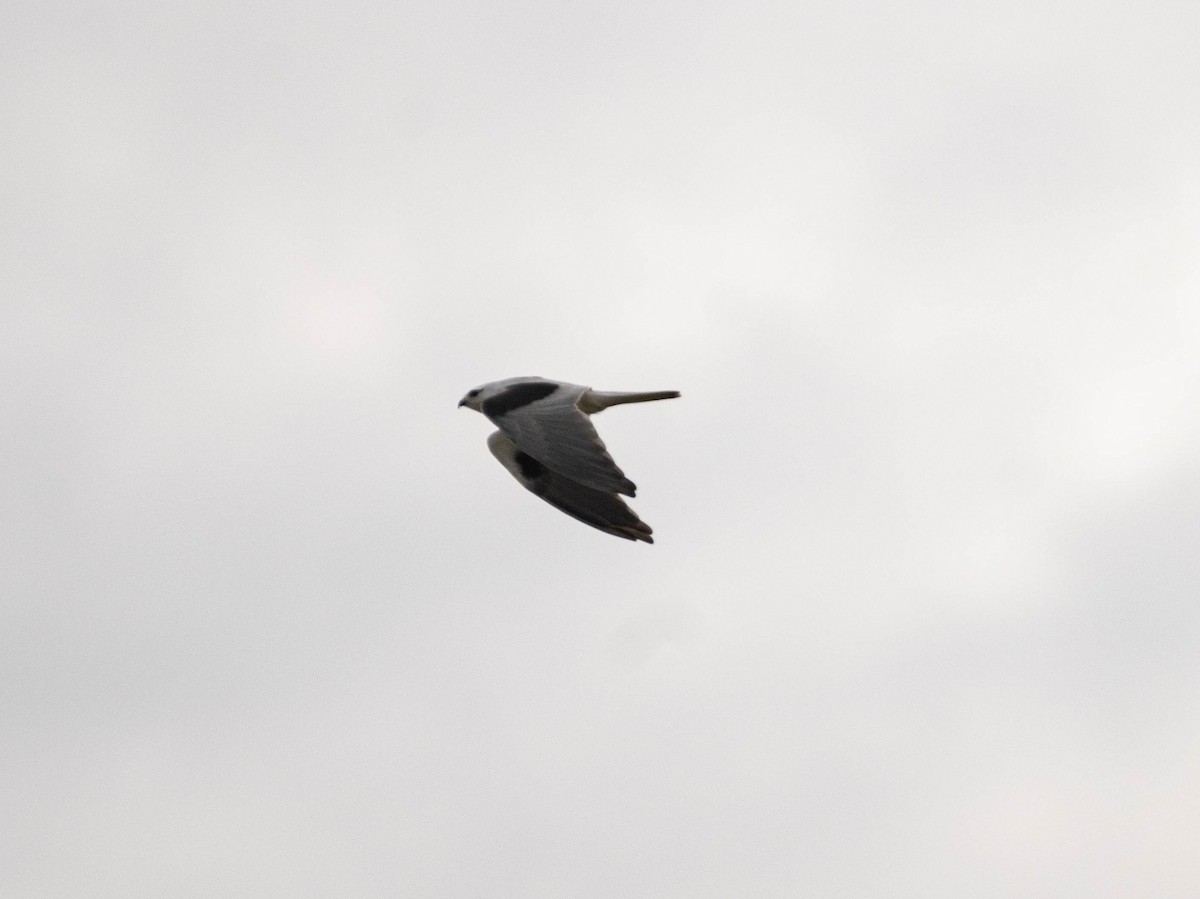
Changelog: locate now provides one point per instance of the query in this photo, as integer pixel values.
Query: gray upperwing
(603, 510)
(555, 432)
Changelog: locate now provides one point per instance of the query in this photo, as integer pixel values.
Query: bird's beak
(462, 403)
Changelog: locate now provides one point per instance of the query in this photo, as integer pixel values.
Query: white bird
(548, 443)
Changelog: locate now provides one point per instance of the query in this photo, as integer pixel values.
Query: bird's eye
(474, 392)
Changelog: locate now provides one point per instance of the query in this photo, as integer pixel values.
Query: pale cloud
(920, 617)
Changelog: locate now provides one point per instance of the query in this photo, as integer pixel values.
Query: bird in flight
(548, 443)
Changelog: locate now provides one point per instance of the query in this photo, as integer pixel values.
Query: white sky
(923, 614)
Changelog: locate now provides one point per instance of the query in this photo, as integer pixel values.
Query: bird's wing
(544, 420)
(601, 509)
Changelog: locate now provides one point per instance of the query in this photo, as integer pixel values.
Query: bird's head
(480, 395)
(474, 398)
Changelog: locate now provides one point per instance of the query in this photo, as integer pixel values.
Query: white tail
(598, 400)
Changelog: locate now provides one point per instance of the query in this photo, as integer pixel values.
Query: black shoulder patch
(530, 467)
(516, 396)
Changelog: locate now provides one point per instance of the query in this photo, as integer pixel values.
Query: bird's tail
(598, 400)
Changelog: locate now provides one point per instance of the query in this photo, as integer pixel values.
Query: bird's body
(547, 442)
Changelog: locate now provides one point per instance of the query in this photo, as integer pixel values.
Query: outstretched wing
(544, 420)
(601, 509)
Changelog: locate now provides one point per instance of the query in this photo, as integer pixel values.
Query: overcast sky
(923, 612)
